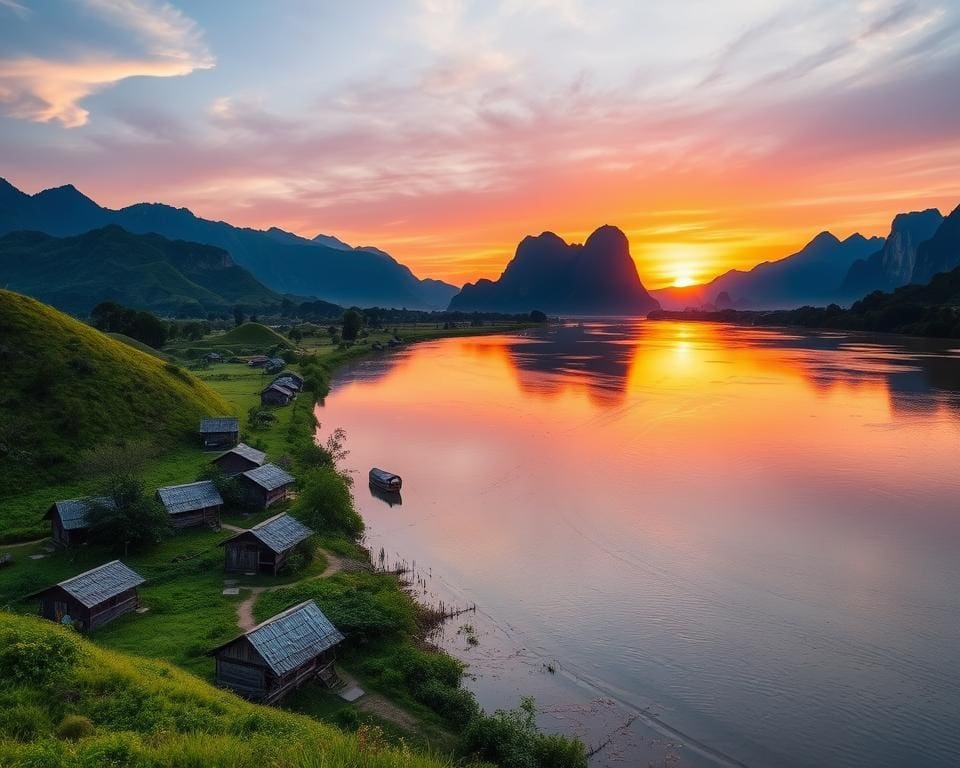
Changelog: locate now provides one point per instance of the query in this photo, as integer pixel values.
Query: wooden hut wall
(56, 602)
(206, 516)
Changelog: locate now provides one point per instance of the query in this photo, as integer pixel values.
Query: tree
(325, 502)
(238, 317)
(352, 323)
(536, 316)
(122, 512)
(111, 317)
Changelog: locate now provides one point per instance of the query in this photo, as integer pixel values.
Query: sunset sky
(715, 134)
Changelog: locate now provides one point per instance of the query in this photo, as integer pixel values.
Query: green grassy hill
(140, 271)
(249, 337)
(65, 387)
(66, 702)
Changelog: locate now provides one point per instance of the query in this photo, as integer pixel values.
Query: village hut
(290, 380)
(69, 524)
(258, 361)
(266, 485)
(239, 459)
(220, 432)
(277, 394)
(192, 504)
(277, 656)
(275, 365)
(265, 547)
(93, 598)
(213, 357)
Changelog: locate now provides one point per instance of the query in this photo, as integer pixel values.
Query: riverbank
(413, 691)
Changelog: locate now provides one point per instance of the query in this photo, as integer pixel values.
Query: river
(698, 544)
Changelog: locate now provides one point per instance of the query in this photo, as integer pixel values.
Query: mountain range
(546, 273)
(827, 270)
(171, 277)
(324, 267)
(812, 275)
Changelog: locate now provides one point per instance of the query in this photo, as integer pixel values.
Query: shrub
(33, 655)
(554, 751)
(326, 503)
(510, 738)
(348, 719)
(74, 727)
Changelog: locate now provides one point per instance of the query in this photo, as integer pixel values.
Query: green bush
(554, 751)
(510, 738)
(326, 502)
(32, 655)
(348, 719)
(74, 727)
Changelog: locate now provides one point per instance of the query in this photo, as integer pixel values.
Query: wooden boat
(385, 481)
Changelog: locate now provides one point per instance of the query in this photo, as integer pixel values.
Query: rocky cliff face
(895, 263)
(546, 273)
(941, 253)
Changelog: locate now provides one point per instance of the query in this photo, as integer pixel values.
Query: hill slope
(282, 260)
(598, 277)
(143, 712)
(141, 271)
(65, 387)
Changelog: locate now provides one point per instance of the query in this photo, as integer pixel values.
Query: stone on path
(352, 693)
(231, 590)
(141, 609)
(37, 557)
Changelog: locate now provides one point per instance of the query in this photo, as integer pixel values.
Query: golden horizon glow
(713, 146)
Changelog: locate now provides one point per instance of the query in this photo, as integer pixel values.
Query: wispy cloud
(51, 88)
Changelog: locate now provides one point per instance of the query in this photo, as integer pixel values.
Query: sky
(715, 134)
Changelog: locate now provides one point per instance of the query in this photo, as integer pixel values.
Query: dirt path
(375, 704)
(25, 543)
(245, 619)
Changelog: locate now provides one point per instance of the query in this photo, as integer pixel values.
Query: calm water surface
(703, 544)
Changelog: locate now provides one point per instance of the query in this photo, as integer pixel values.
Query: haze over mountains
(546, 273)
(325, 267)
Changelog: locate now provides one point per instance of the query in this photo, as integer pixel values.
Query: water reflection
(749, 535)
(601, 360)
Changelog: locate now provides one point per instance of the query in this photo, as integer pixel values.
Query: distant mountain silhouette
(810, 276)
(282, 260)
(941, 253)
(74, 274)
(598, 277)
(893, 265)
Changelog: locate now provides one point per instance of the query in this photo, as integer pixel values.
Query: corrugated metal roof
(189, 497)
(294, 637)
(73, 512)
(288, 382)
(280, 388)
(281, 532)
(269, 477)
(251, 454)
(223, 424)
(110, 579)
